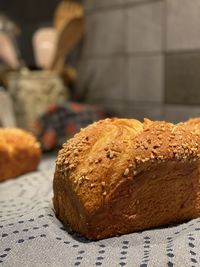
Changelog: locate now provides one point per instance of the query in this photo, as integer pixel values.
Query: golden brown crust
(19, 153)
(162, 141)
(93, 152)
(100, 171)
(193, 124)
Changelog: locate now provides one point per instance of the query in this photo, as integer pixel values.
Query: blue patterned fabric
(31, 235)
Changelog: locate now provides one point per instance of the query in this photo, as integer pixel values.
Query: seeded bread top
(99, 158)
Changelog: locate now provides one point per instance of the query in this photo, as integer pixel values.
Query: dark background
(29, 15)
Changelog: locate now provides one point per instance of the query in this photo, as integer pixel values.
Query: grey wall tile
(139, 1)
(93, 4)
(183, 24)
(178, 113)
(83, 70)
(182, 76)
(144, 27)
(145, 79)
(104, 78)
(90, 37)
(114, 108)
(140, 111)
(126, 84)
(104, 33)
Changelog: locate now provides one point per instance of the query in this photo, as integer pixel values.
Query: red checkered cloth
(62, 121)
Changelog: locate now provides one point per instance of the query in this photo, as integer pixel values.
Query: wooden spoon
(65, 12)
(67, 38)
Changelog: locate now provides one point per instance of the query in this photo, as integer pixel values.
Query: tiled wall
(141, 58)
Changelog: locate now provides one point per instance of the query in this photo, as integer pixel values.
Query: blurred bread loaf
(118, 176)
(19, 153)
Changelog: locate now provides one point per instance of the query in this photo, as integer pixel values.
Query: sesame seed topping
(76, 153)
(103, 183)
(110, 154)
(152, 156)
(126, 172)
(71, 166)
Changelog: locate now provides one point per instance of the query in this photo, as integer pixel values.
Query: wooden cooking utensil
(69, 22)
(68, 36)
(44, 41)
(65, 12)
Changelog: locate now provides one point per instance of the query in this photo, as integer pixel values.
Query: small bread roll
(19, 153)
(118, 176)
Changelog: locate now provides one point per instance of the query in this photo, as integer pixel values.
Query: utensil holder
(32, 92)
